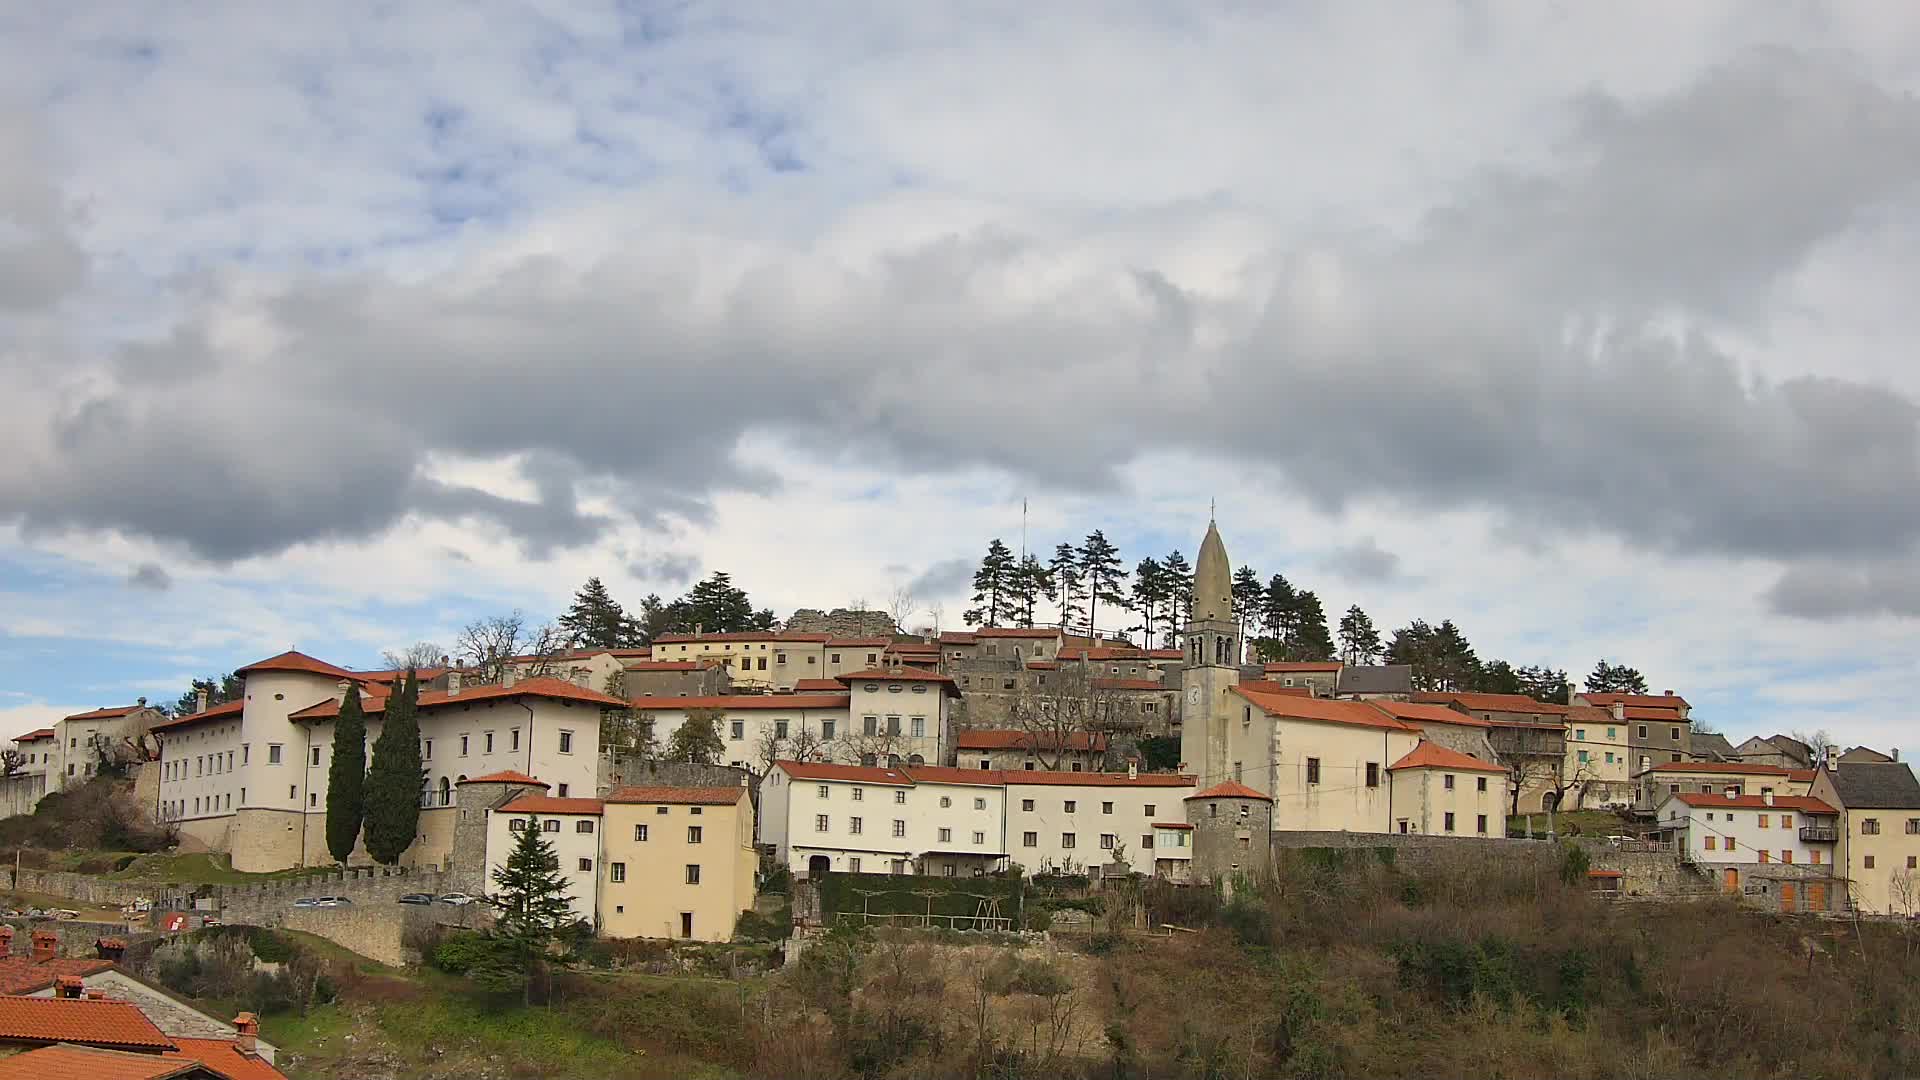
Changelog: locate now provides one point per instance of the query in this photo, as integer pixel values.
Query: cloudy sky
(1586, 325)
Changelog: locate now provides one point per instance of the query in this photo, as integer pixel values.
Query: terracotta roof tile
(68, 1062)
(23, 975)
(1708, 799)
(1015, 632)
(1009, 739)
(1324, 710)
(1414, 712)
(866, 774)
(43, 733)
(1086, 779)
(1291, 691)
(226, 710)
(1515, 703)
(507, 777)
(860, 643)
(294, 660)
(114, 1024)
(107, 714)
(225, 1058)
(1665, 716)
(1042, 665)
(1431, 755)
(680, 796)
(547, 804)
(1653, 701)
(1734, 768)
(541, 687)
(1231, 789)
(740, 635)
(818, 686)
(940, 774)
(743, 702)
(899, 675)
(956, 637)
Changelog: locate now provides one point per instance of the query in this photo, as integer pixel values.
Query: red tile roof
(1101, 652)
(68, 1062)
(1231, 789)
(1303, 665)
(1015, 632)
(425, 674)
(225, 1058)
(1709, 799)
(739, 635)
(547, 804)
(679, 796)
(1042, 665)
(1665, 716)
(1324, 710)
(956, 637)
(1414, 712)
(742, 702)
(43, 733)
(1295, 691)
(1515, 703)
(1165, 654)
(1653, 701)
(1086, 779)
(1431, 755)
(865, 643)
(226, 710)
(910, 646)
(1803, 776)
(107, 714)
(947, 685)
(114, 1024)
(540, 687)
(1127, 684)
(940, 774)
(818, 686)
(293, 660)
(822, 770)
(1733, 767)
(507, 777)
(1009, 739)
(24, 975)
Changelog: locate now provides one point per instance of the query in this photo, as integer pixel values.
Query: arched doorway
(446, 792)
(819, 866)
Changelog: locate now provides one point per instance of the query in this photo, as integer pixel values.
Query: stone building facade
(1232, 824)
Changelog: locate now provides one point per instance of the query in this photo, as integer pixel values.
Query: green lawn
(1573, 823)
(198, 868)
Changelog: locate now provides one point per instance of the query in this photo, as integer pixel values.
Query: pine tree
(1031, 581)
(1249, 603)
(1065, 570)
(220, 690)
(697, 739)
(1280, 613)
(597, 621)
(347, 778)
(993, 586)
(1359, 641)
(396, 779)
(1310, 638)
(1101, 569)
(530, 895)
(1179, 577)
(1150, 595)
(1615, 679)
(1543, 683)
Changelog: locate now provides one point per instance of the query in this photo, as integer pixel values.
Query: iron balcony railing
(1819, 834)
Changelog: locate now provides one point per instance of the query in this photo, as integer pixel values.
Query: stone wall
(19, 793)
(620, 771)
(1414, 850)
(263, 904)
(375, 931)
(76, 938)
(82, 887)
(841, 623)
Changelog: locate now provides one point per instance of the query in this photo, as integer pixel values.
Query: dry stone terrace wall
(1417, 850)
(82, 887)
(373, 886)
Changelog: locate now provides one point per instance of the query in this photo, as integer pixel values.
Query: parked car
(306, 901)
(417, 898)
(66, 914)
(333, 901)
(459, 899)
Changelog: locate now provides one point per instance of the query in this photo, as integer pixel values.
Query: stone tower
(1231, 823)
(1212, 665)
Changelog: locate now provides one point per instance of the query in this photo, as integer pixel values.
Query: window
(563, 791)
(315, 755)
(550, 826)
(946, 836)
(1146, 842)
(290, 791)
(826, 731)
(513, 739)
(1814, 856)
(900, 798)
(694, 810)
(1675, 734)
(1313, 770)
(1913, 826)
(1107, 840)
(1866, 861)
(919, 728)
(1066, 840)
(487, 743)
(463, 745)
(1786, 855)
(617, 872)
(1643, 731)
(1106, 808)
(640, 833)
(1786, 821)
(1480, 784)
(1031, 839)
(893, 725)
(1870, 827)
(853, 862)
(1913, 862)
(246, 753)
(1446, 781)
(273, 754)
(1149, 809)
(585, 865)
(779, 729)
(1580, 734)
(693, 878)
(313, 798)
(566, 742)
(819, 823)
(1765, 856)
(946, 869)
(1373, 774)
(1582, 756)
(1712, 843)
(583, 827)
(660, 810)
(1449, 821)
(1026, 805)
(1763, 821)
(737, 729)
(426, 749)
(854, 825)
(946, 801)
(822, 791)
(1070, 805)
(836, 658)
(899, 827)
(979, 804)
(1480, 825)
(859, 794)
(979, 837)
(763, 663)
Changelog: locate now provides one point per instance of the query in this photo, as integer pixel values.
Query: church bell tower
(1212, 665)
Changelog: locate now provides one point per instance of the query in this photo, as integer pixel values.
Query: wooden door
(1731, 878)
(1816, 896)
(1787, 896)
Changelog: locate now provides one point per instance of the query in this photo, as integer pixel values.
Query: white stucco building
(878, 718)
(572, 826)
(1720, 828)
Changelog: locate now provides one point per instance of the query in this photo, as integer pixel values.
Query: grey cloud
(1829, 591)
(666, 568)
(1364, 561)
(944, 578)
(40, 261)
(1545, 345)
(150, 576)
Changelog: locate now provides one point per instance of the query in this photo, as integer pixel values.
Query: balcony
(1819, 834)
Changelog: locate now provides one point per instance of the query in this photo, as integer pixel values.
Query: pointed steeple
(1212, 580)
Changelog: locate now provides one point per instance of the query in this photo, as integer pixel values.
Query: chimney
(110, 948)
(446, 661)
(6, 941)
(453, 684)
(1896, 753)
(1620, 711)
(142, 702)
(68, 986)
(1669, 693)
(246, 1028)
(1133, 769)
(46, 946)
(94, 993)
(200, 702)
(1733, 793)
(506, 675)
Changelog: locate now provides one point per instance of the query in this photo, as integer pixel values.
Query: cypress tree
(393, 784)
(347, 778)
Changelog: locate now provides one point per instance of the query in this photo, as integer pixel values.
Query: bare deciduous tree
(420, 654)
(900, 606)
(1065, 710)
(487, 645)
(11, 761)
